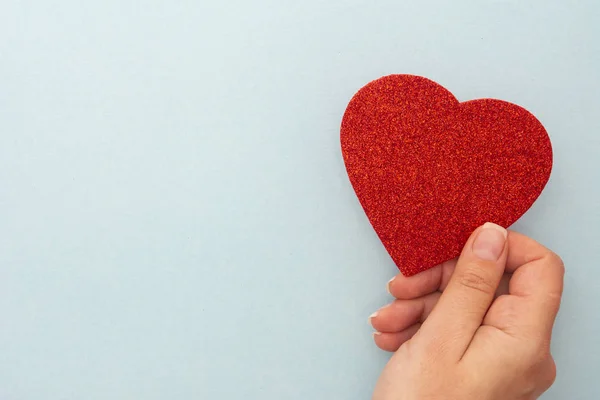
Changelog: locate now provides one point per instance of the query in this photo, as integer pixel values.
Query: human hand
(477, 328)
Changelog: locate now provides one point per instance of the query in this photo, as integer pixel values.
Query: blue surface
(176, 221)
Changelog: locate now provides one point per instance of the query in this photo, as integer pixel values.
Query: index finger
(537, 271)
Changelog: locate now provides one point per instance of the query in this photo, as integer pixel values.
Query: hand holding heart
(478, 328)
(428, 170)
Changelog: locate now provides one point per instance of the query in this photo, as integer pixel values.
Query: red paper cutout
(428, 170)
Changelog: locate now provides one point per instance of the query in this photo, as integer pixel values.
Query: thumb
(470, 292)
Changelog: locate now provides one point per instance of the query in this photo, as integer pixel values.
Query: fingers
(426, 282)
(393, 341)
(540, 284)
(535, 289)
(523, 250)
(533, 300)
(470, 292)
(401, 314)
(404, 288)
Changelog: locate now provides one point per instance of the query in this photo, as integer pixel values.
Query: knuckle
(475, 278)
(556, 261)
(542, 374)
(539, 354)
(535, 369)
(551, 373)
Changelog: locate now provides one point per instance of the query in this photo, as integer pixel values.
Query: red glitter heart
(428, 170)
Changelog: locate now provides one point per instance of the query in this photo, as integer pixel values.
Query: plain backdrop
(175, 217)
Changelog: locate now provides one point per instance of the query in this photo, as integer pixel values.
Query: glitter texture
(428, 170)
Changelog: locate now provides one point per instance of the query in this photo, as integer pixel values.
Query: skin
(478, 327)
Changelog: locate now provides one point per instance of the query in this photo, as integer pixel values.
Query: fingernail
(373, 315)
(387, 287)
(489, 243)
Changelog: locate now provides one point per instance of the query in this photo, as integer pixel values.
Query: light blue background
(175, 217)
